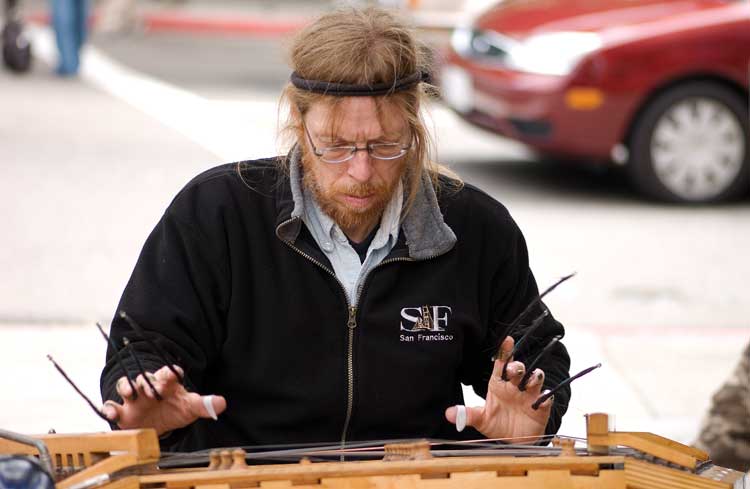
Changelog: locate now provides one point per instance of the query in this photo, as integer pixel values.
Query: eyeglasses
(340, 154)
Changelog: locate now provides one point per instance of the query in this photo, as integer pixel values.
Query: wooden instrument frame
(127, 460)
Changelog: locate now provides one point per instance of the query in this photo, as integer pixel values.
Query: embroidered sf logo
(425, 318)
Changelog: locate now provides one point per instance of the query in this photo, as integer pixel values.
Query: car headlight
(556, 53)
(487, 46)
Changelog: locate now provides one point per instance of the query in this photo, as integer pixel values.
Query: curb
(249, 26)
(201, 24)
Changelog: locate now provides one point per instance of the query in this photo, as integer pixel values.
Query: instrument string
(374, 448)
(370, 444)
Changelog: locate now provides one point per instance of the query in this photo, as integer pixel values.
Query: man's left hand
(507, 412)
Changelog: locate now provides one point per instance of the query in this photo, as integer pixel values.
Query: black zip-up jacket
(233, 285)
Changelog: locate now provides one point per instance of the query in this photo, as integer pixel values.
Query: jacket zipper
(351, 323)
(350, 355)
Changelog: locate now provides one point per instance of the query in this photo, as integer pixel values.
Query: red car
(660, 86)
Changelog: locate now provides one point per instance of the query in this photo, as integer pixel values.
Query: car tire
(690, 145)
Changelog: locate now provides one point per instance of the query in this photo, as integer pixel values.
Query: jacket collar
(425, 231)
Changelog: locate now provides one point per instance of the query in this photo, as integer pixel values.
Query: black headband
(352, 90)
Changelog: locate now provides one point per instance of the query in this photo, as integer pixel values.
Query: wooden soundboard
(607, 460)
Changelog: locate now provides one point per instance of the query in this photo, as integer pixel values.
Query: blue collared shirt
(334, 243)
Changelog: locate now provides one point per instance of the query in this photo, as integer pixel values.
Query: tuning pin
(238, 459)
(226, 460)
(214, 459)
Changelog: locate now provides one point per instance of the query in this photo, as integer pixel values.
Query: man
(344, 291)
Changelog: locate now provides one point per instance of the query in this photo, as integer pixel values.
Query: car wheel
(691, 145)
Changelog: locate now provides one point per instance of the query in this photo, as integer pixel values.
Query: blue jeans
(69, 19)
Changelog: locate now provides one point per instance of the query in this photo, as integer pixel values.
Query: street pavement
(89, 164)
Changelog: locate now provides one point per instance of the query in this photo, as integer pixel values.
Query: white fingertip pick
(208, 403)
(460, 417)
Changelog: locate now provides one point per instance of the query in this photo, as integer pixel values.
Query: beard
(344, 216)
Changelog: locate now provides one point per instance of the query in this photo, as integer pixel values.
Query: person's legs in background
(63, 22)
(69, 19)
(81, 19)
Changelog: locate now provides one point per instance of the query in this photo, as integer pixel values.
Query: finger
(513, 374)
(170, 372)
(546, 405)
(164, 381)
(463, 416)
(167, 376)
(210, 406)
(164, 374)
(506, 347)
(153, 385)
(140, 385)
(503, 357)
(123, 388)
(112, 411)
(536, 381)
(146, 389)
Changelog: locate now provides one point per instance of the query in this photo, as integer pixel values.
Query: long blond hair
(365, 47)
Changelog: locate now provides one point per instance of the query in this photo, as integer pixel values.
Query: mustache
(362, 189)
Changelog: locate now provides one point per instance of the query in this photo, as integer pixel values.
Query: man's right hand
(178, 407)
